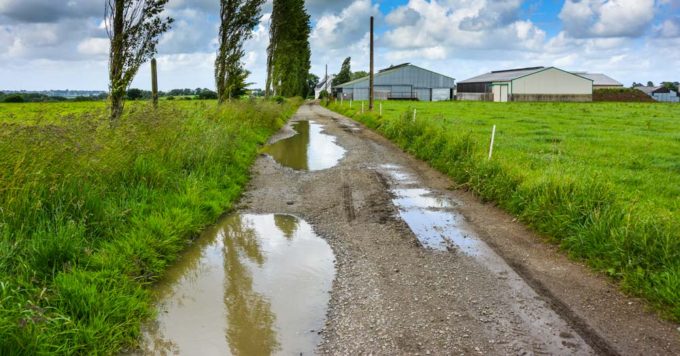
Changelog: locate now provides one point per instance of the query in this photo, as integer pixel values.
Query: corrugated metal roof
(394, 67)
(503, 75)
(388, 70)
(599, 79)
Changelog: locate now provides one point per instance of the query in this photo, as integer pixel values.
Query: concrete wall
(552, 97)
(551, 82)
(474, 96)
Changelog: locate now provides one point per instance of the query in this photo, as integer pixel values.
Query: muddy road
(418, 268)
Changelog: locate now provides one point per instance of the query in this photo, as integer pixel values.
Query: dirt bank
(510, 294)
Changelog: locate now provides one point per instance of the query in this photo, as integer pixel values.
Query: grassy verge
(600, 179)
(90, 216)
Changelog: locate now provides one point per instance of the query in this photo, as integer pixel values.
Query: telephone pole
(370, 84)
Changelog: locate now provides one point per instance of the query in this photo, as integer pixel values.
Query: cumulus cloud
(669, 28)
(35, 11)
(461, 24)
(94, 46)
(337, 30)
(607, 18)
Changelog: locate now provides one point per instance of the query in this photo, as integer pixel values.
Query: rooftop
(503, 75)
(600, 79)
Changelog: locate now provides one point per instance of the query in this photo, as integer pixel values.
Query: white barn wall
(552, 82)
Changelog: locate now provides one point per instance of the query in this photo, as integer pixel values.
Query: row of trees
(135, 26)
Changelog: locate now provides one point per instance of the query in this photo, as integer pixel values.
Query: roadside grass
(90, 217)
(600, 179)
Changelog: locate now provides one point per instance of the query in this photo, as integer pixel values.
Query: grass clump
(90, 216)
(600, 179)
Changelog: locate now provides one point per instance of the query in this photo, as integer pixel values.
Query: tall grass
(602, 180)
(90, 216)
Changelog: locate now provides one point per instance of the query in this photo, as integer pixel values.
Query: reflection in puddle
(252, 285)
(308, 150)
(431, 218)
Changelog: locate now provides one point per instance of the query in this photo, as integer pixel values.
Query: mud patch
(252, 285)
(309, 150)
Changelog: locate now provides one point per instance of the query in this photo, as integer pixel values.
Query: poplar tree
(289, 52)
(238, 18)
(345, 74)
(134, 28)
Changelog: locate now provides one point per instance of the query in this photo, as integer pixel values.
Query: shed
(660, 93)
(527, 84)
(601, 81)
(401, 82)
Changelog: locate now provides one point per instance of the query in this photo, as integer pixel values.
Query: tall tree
(238, 18)
(289, 53)
(345, 74)
(134, 27)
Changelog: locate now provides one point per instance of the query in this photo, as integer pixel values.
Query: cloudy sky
(58, 44)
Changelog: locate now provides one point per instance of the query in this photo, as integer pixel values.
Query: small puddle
(308, 150)
(432, 219)
(251, 285)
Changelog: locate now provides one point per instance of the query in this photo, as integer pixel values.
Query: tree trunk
(116, 62)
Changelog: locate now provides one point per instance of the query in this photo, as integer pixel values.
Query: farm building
(402, 82)
(601, 81)
(325, 84)
(660, 93)
(527, 84)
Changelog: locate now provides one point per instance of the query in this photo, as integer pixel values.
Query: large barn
(527, 84)
(402, 82)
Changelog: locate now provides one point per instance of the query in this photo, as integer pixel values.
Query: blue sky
(47, 44)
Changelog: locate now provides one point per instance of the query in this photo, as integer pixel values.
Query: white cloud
(607, 18)
(94, 46)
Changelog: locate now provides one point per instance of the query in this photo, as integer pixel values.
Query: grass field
(600, 179)
(90, 216)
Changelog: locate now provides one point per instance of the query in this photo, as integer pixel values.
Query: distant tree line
(44, 98)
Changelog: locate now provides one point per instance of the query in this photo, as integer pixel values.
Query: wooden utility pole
(154, 82)
(370, 84)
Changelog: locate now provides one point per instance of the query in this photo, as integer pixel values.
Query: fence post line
(414, 115)
(362, 107)
(493, 137)
(381, 109)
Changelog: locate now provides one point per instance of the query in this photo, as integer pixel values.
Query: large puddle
(309, 150)
(251, 285)
(432, 219)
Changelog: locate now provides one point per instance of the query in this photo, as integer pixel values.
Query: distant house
(601, 81)
(660, 93)
(326, 84)
(401, 82)
(527, 84)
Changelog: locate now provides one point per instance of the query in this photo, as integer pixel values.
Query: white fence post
(362, 107)
(493, 137)
(414, 115)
